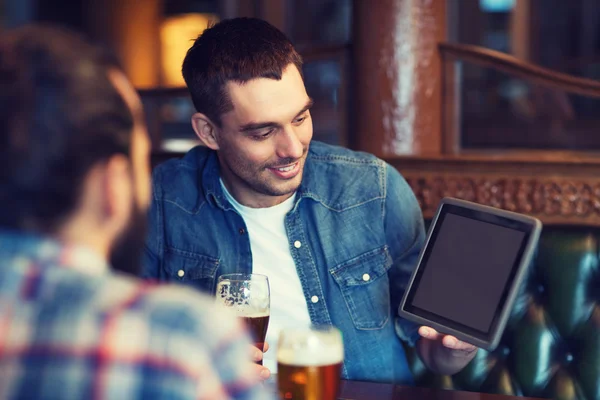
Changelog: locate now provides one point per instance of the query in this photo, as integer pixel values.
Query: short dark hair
(60, 115)
(239, 50)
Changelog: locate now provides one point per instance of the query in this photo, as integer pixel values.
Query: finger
(429, 333)
(255, 353)
(265, 347)
(453, 343)
(261, 372)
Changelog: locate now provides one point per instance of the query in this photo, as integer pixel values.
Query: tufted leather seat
(551, 346)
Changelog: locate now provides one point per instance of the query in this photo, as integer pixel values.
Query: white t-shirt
(271, 256)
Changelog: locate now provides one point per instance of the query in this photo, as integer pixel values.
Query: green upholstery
(551, 346)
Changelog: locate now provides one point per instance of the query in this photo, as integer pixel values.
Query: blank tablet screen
(467, 268)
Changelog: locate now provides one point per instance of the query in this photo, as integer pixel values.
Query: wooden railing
(453, 54)
(511, 65)
(560, 187)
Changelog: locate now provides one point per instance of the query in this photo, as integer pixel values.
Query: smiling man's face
(264, 140)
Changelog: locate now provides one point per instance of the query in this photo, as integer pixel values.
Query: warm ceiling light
(176, 36)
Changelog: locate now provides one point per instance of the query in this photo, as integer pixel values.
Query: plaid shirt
(71, 329)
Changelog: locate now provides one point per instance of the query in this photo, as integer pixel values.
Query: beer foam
(311, 357)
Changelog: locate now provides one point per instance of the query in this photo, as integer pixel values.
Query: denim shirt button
(297, 244)
(314, 299)
(180, 273)
(366, 277)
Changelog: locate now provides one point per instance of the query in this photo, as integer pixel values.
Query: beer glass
(309, 362)
(248, 296)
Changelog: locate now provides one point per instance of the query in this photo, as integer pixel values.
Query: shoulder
(178, 170)
(170, 309)
(178, 328)
(342, 178)
(179, 180)
(321, 152)
(195, 308)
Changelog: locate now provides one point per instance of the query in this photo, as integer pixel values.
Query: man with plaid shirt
(74, 189)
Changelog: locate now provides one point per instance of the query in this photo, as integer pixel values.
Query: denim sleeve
(405, 236)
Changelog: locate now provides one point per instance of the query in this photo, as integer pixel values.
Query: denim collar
(214, 192)
(332, 177)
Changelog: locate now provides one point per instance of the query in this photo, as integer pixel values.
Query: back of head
(238, 50)
(59, 116)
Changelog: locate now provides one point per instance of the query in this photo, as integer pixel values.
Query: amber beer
(309, 367)
(257, 326)
(308, 382)
(248, 297)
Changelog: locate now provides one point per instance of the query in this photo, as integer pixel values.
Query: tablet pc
(469, 271)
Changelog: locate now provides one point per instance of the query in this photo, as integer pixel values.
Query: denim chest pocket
(192, 269)
(364, 283)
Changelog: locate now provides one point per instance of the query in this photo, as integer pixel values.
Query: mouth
(286, 171)
(288, 168)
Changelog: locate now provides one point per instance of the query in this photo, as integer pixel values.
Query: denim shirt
(355, 232)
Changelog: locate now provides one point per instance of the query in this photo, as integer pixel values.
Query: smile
(286, 169)
(286, 172)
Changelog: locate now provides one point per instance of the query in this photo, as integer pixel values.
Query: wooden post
(397, 76)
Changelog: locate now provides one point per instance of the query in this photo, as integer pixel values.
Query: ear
(205, 130)
(117, 191)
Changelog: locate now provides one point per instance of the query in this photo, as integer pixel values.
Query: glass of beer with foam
(309, 363)
(248, 296)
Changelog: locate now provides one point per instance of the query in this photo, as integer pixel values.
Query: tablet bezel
(487, 340)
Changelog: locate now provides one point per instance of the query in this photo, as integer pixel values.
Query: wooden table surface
(353, 390)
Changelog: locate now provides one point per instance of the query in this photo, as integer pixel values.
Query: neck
(82, 235)
(249, 198)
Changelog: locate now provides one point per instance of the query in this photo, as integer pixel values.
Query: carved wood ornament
(551, 198)
(556, 193)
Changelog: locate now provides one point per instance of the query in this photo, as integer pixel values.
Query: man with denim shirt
(338, 232)
(74, 189)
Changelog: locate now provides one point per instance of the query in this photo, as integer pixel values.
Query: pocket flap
(187, 266)
(363, 269)
(365, 287)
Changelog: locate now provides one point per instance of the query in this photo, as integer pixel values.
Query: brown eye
(262, 134)
(300, 120)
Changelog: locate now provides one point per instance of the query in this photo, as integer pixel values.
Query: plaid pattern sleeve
(225, 347)
(72, 332)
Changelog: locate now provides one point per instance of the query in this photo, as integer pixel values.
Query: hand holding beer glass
(248, 296)
(309, 362)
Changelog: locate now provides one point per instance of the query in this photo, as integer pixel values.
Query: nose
(289, 144)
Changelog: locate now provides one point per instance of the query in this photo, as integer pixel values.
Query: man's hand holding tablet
(469, 271)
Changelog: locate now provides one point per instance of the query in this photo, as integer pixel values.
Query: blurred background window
(151, 38)
(499, 111)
